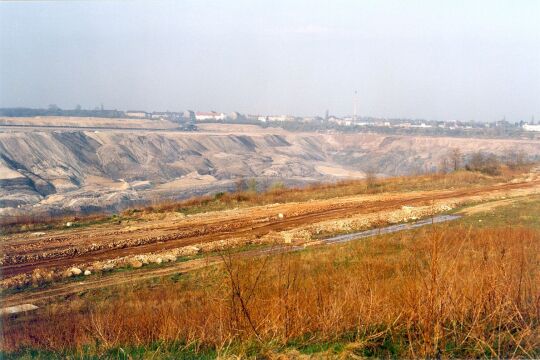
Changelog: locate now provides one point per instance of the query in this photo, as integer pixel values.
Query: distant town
(188, 120)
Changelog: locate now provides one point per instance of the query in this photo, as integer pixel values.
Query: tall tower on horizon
(354, 105)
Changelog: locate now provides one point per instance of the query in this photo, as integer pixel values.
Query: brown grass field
(446, 291)
(275, 194)
(461, 290)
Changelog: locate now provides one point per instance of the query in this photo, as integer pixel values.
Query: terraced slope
(52, 170)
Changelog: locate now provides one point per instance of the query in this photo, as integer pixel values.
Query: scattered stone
(191, 250)
(143, 259)
(287, 238)
(96, 266)
(108, 267)
(75, 271)
(37, 275)
(135, 264)
(17, 309)
(169, 257)
(87, 272)
(281, 216)
(69, 224)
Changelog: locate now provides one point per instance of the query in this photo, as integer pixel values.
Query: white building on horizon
(136, 113)
(528, 127)
(280, 118)
(212, 115)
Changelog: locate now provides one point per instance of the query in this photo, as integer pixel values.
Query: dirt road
(38, 296)
(167, 233)
(26, 252)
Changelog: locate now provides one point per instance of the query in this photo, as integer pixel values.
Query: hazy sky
(419, 59)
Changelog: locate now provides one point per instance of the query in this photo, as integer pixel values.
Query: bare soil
(22, 253)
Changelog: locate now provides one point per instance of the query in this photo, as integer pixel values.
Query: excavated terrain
(178, 234)
(31, 260)
(50, 170)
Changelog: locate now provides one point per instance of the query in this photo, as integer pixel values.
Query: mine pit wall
(58, 162)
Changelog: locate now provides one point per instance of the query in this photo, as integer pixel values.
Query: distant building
(529, 127)
(189, 116)
(137, 113)
(254, 117)
(347, 121)
(236, 116)
(310, 119)
(422, 125)
(160, 115)
(212, 115)
(334, 119)
(280, 118)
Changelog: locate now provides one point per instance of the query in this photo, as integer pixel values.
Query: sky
(437, 60)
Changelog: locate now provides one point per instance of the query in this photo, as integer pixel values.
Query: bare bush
(445, 292)
(485, 163)
(455, 158)
(371, 178)
(516, 159)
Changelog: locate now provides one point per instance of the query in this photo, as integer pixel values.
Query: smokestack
(354, 106)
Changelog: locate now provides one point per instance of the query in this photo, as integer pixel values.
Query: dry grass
(437, 292)
(275, 194)
(328, 191)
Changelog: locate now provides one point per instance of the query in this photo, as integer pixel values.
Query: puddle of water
(390, 229)
(364, 234)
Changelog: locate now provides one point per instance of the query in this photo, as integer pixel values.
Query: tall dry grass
(274, 194)
(330, 190)
(442, 292)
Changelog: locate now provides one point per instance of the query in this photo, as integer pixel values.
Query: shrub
(485, 163)
(449, 292)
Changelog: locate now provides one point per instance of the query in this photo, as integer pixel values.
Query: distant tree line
(54, 110)
(316, 125)
(323, 125)
(484, 162)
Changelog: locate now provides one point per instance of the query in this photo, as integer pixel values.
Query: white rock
(170, 257)
(69, 224)
(191, 250)
(87, 272)
(281, 216)
(143, 259)
(75, 271)
(108, 267)
(135, 264)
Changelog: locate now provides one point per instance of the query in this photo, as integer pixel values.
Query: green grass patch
(522, 212)
(157, 350)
